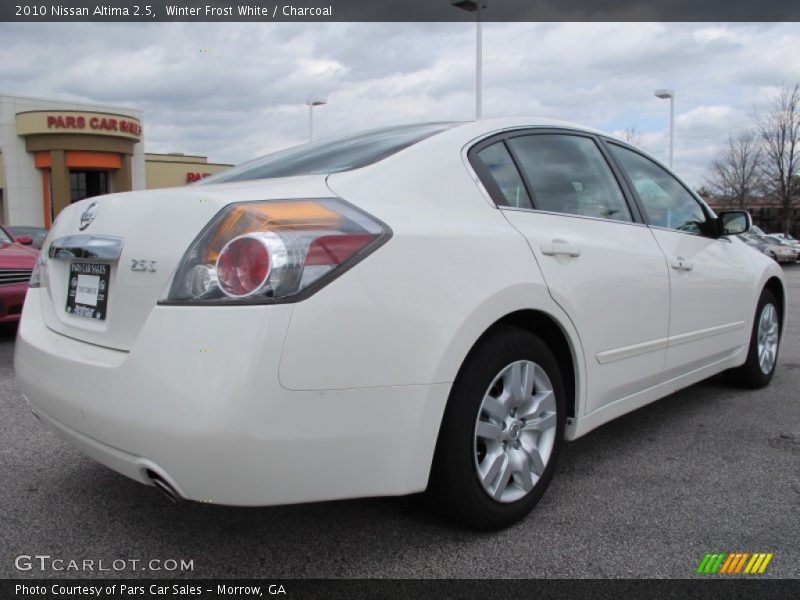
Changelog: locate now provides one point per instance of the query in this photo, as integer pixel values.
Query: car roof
(471, 130)
(457, 134)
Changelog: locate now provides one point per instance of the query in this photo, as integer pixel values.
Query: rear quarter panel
(410, 312)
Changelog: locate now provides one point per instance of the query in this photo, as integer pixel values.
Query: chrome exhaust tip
(164, 487)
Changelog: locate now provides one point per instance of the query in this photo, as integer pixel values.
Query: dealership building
(53, 153)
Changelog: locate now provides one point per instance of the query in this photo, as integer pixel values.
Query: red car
(16, 263)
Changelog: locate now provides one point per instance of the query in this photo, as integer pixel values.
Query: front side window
(667, 203)
(568, 174)
(504, 175)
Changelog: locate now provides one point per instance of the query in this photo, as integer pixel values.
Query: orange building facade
(54, 153)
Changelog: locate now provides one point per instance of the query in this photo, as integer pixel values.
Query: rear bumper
(197, 400)
(12, 297)
(130, 465)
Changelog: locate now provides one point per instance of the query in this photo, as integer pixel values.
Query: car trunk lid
(101, 281)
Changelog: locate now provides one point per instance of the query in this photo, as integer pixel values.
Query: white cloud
(233, 91)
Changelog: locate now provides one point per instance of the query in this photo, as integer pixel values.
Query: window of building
(87, 184)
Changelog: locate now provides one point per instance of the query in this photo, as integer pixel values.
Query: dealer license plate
(87, 294)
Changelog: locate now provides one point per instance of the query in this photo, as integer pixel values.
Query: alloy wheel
(515, 431)
(767, 338)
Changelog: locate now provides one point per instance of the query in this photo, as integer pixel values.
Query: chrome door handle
(562, 248)
(681, 264)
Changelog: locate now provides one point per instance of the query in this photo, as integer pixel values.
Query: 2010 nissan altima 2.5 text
(429, 307)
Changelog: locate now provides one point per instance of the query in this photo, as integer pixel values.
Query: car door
(601, 264)
(710, 289)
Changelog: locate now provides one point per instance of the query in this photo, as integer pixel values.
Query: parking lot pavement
(709, 469)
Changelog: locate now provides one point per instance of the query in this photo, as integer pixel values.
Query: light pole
(311, 104)
(664, 94)
(476, 7)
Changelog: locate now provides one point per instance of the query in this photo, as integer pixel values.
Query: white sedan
(429, 307)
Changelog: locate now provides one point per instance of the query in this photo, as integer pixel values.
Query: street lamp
(311, 104)
(664, 94)
(476, 7)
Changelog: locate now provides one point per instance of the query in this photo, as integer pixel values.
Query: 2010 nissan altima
(429, 307)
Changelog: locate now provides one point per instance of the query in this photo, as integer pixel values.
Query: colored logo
(734, 563)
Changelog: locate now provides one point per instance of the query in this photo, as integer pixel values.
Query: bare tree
(736, 175)
(779, 130)
(632, 135)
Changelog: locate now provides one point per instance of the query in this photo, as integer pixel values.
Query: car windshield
(4, 237)
(37, 233)
(331, 156)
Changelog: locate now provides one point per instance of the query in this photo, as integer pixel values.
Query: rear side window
(568, 174)
(332, 156)
(504, 174)
(666, 202)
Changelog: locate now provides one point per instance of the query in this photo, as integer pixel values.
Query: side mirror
(25, 239)
(734, 222)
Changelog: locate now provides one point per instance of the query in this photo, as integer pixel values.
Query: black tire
(454, 488)
(750, 375)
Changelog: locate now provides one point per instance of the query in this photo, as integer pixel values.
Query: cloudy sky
(233, 91)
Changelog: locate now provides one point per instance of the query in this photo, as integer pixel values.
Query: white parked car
(786, 238)
(784, 252)
(432, 307)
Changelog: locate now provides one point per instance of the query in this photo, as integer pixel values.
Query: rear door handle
(681, 264)
(560, 248)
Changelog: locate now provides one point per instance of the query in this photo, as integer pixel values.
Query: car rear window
(331, 156)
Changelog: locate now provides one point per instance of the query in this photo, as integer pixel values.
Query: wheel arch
(775, 285)
(557, 338)
(522, 305)
(554, 334)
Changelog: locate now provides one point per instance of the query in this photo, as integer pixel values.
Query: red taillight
(335, 249)
(268, 251)
(243, 266)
